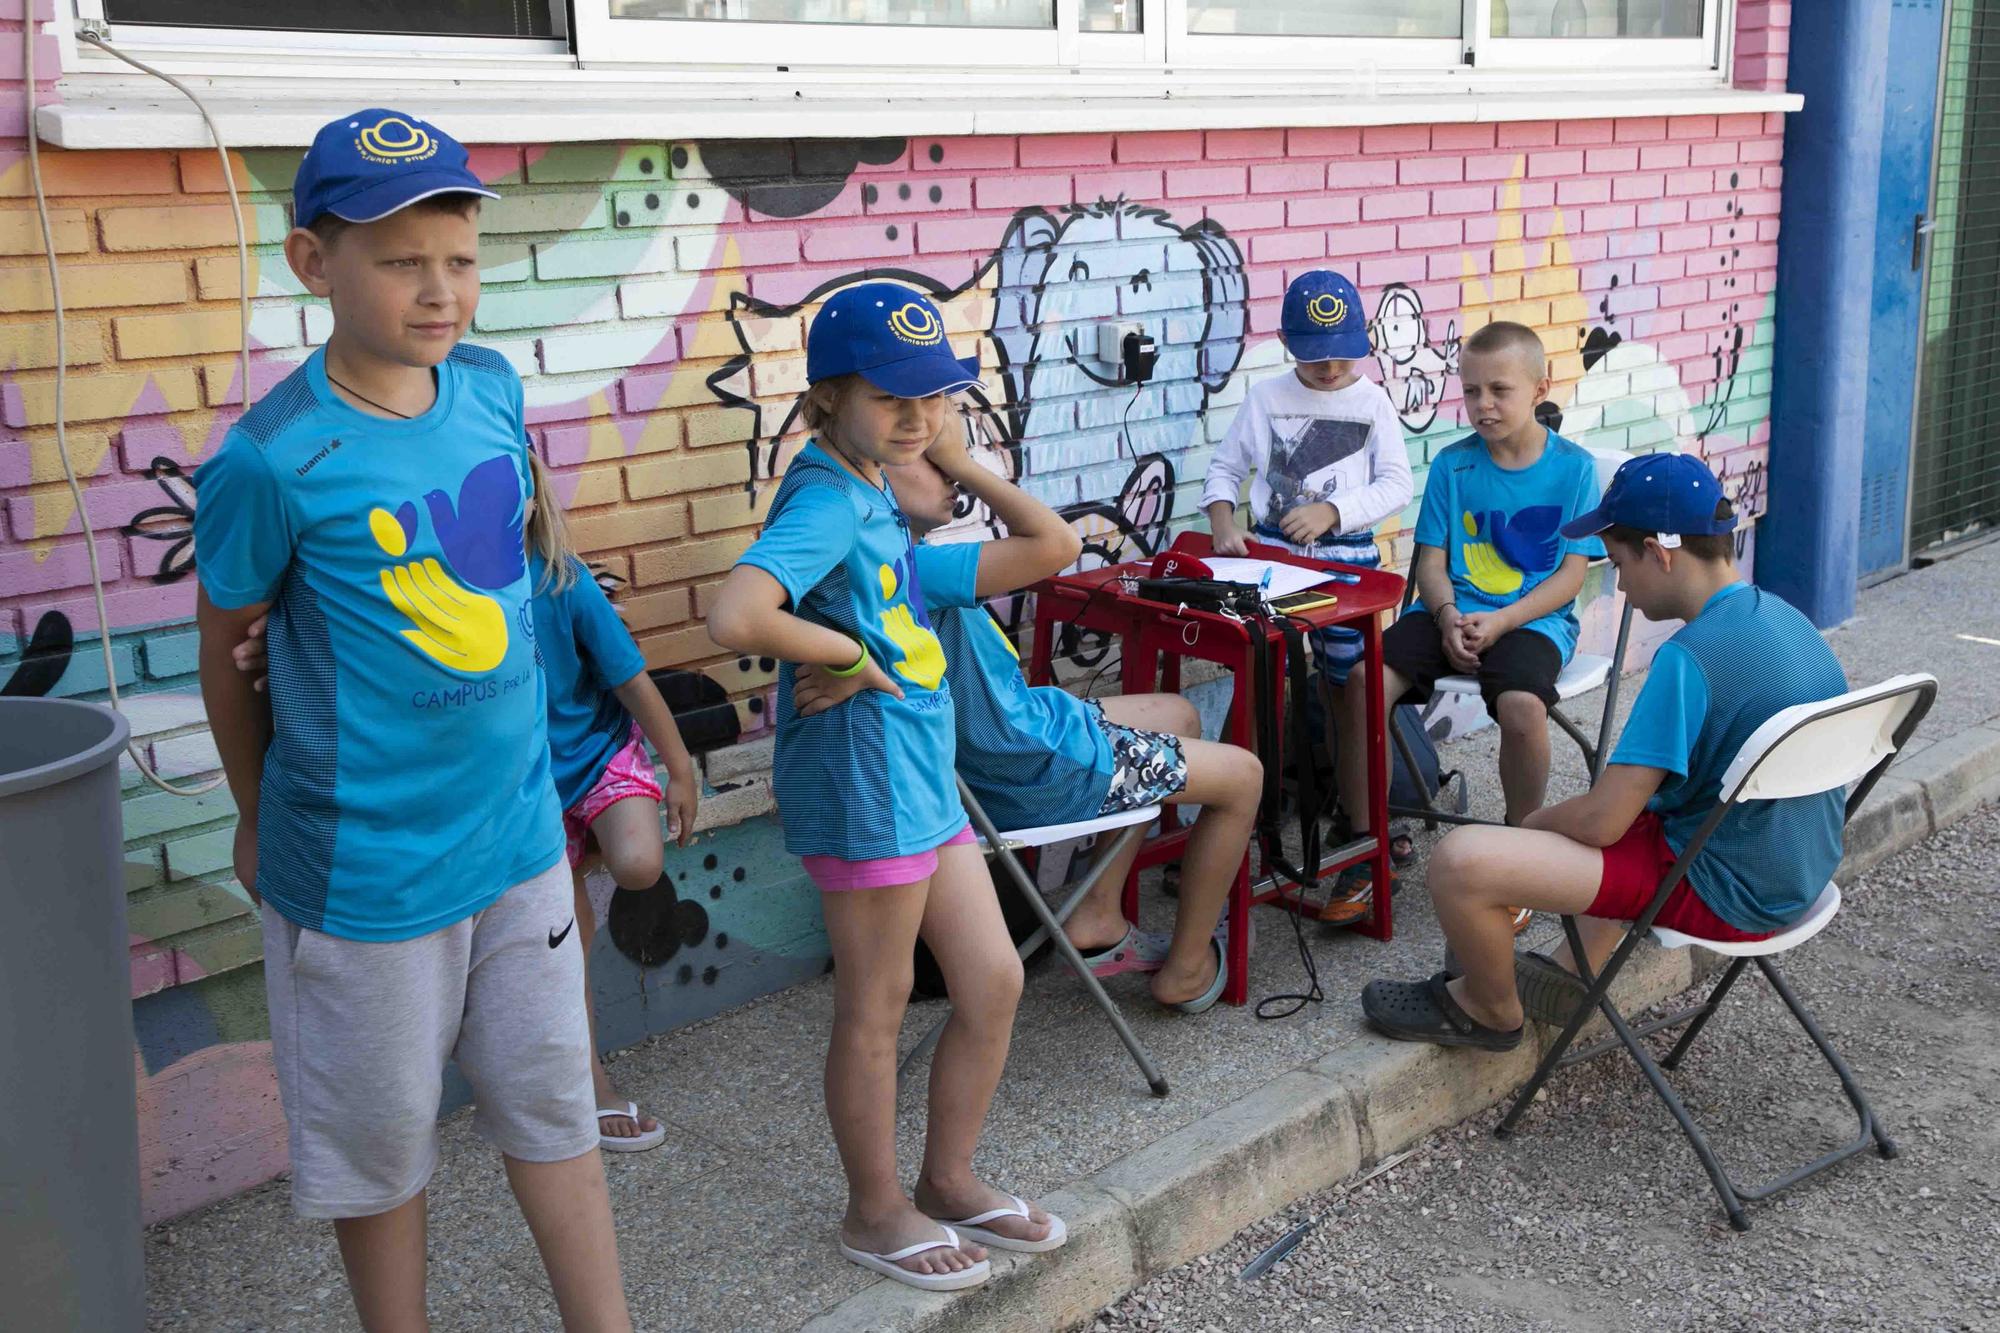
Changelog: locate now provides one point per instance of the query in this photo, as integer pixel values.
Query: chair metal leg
(1870, 1126)
(1582, 741)
(1428, 813)
(1702, 1013)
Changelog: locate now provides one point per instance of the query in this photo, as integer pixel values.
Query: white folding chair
(1802, 751)
(1114, 833)
(1585, 672)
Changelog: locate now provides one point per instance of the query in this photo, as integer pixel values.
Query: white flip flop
(973, 1227)
(888, 1266)
(640, 1142)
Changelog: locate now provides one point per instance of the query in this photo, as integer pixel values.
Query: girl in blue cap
(865, 790)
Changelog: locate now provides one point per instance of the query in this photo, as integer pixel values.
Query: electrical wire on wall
(28, 34)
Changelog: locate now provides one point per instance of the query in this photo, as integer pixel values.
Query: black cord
(1125, 423)
(1314, 993)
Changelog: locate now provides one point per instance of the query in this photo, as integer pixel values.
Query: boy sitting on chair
(1035, 757)
(1742, 657)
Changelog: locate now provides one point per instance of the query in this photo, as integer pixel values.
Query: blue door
(1903, 207)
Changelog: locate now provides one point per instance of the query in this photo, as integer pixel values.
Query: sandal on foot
(1139, 951)
(640, 1142)
(1425, 1011)
(976, 1230)
(1205, 1001)
(1402, 849)
(887, 1265)
(1549, 991)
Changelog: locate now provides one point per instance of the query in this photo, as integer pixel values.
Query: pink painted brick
(1472, 199)
(1774, 177)
(1760, 203)
(935, 236)
(1757, 256)
(1200, 182)
(1496, 168)
(143, 605)
(1429, 235)
(1536, 194)
(987, 154)
(1431, 170)
(1663, 156)
(1684, 238)
(1447, 268)
(1640, 129)
(1658, 324)
(1584, 132)
(1752, 14)
(1691, 127)
(1708, 208)
(1065, 150)
(1245, 143)
(1527, 134)
(1728, 289)
(1764, 41)
(1611, 159)
(1266, 282)
(1360, 173)
(1762, 150)
(1264, 316)
(1407, 204)
(1249, 215)
(1662, 212)
(1683, 293)
(1399, 268)
(1565, 162)
(566, 446)
(872, 241)
(1740, 126)
(1288, 177)
(139, 445)
(1134, 185)
(1588, 249)
(66, 566)
(1767, 280)
(17, 467)
(1708, 316)
(1462, 137)
(1652, 186)
(1396, 139)
(1345, 241)
(1159, 146)
(1010, 190)
(1584, 190)
(1713, 153)
(1767, 229)
(1627, 243)
(1323, 141)
(1275, 247)
(1326, 211)
(922, 196)
(1632, 300)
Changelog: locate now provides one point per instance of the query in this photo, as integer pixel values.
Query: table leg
(1241, 729)
(1378, 924)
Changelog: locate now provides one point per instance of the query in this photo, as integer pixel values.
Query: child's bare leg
(964, 928)
(1600, 939)
(1524, 752)
(568, 1209)
(1352, 758)
(1227, 781)
(873, 933)
(384, 1258)
(617, 1126)
(1477, 877)
(629, 838)
(1099, 920)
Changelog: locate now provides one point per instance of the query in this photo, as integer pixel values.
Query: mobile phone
(1306, 599)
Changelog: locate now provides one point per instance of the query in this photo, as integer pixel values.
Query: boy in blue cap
(1666, 526)
(396, 816)
(1328, 452)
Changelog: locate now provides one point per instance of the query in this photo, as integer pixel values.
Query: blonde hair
(1505, 335)
(547, 531)
(822, 402)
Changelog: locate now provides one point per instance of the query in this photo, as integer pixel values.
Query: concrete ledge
(1189, 1192)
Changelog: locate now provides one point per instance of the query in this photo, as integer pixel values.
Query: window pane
(1597, 18)
(1109, 16)
(438, 18)
(1326, 18)
(937, 13)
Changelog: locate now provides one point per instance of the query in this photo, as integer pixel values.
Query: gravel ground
(1597, 1215)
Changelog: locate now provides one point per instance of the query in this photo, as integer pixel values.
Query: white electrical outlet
(1111, 343)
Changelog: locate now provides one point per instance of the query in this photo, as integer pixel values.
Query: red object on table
(1155, 638)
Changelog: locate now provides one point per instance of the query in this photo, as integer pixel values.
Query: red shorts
(1633, 869)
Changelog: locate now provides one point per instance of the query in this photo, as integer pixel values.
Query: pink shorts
(833, 875)
(629, 774)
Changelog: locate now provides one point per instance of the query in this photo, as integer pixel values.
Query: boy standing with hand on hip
(397, 817)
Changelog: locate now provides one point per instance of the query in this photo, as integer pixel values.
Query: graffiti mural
(1416, 371)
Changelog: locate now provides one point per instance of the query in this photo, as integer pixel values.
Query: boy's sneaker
(1352, 895)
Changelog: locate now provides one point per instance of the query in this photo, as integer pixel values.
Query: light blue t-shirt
(407, 782)
(586, 654)
(1030, 756)
(871, 778)
(1501, 530)
(1767, 861)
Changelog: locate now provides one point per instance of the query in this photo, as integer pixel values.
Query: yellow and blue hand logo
(922, 662)
(455, 627)
(1502, 549)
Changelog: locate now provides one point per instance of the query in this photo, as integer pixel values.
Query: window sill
(259, 113)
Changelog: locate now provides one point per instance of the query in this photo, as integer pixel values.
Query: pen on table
(1264, 583)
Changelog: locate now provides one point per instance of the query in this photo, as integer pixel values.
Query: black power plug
(1138, 354)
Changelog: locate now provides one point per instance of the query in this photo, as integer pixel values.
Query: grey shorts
(361, 1032)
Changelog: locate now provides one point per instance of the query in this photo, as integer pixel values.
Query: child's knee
(636, 864)
(1521, 714)
(1460, 863)
(992, 986)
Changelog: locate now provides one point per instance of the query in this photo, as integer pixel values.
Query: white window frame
(1603, 53)
(604, 41)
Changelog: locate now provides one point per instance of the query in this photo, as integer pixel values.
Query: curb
(1313, 1127)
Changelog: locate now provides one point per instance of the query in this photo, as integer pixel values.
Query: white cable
(28, 34)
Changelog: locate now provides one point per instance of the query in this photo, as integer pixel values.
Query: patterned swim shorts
(1148, 766)
(629, 774)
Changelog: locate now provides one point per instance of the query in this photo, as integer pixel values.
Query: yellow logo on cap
(1326, 310)
(393, 140)
(915, 323)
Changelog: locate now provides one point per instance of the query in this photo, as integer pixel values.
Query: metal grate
(1955, 481)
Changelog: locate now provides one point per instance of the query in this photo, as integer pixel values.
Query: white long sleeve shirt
(1344, 446)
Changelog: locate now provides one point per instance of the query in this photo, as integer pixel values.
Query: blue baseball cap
(1674, 495)
(1322, 318)
(368, 165)
(891, 336)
